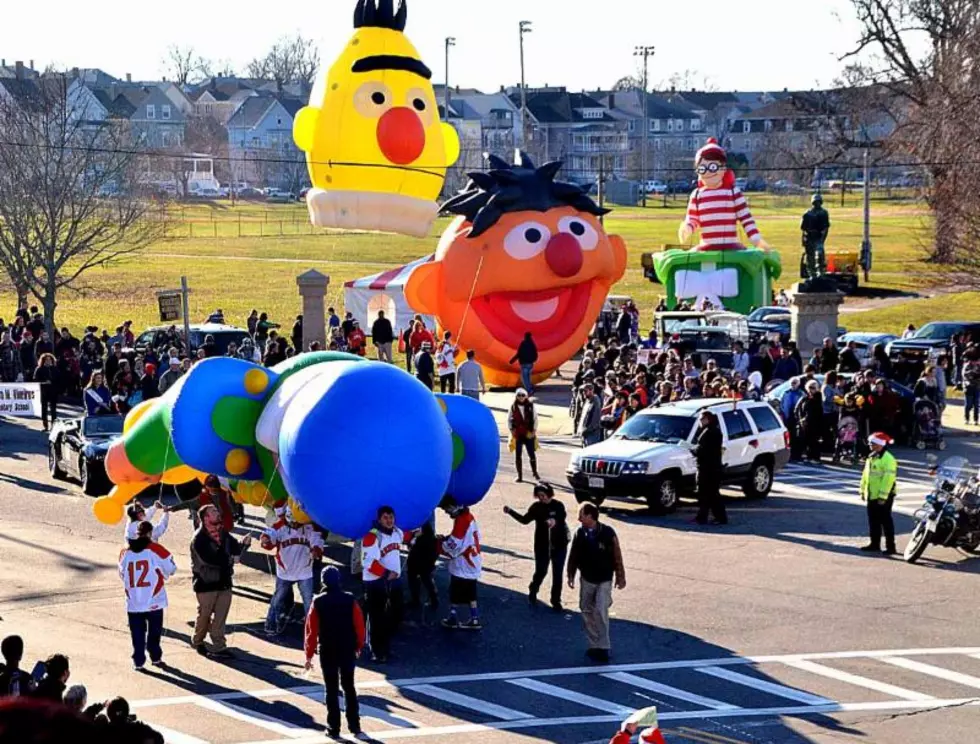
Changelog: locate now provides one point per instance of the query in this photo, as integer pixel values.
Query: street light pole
(645, 52)
(450, 42)
(525, 27)
(866, 243)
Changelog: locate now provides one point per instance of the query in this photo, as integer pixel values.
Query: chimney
(32, 64)
(3, 62)
(129, 77)
(457, 89)
(673, 89)
(501, 89)
(74, 72)
(612, 100)
(19, 70)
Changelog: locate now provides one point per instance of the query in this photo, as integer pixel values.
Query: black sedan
(77, 448)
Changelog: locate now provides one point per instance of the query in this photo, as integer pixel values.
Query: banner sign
(20, 399)
(170, 305)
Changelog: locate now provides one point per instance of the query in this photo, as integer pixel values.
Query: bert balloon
(376, 150)
(526, 253)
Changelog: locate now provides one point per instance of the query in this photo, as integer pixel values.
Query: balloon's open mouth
(551, 315)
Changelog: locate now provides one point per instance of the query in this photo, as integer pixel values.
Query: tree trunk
(22, 296)
(943, 203)
(49, 303)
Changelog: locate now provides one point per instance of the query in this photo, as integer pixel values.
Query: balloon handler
(719, 269)
(296, 433)
(645, 718)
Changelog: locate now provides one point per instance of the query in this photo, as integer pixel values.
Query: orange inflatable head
(526, 253)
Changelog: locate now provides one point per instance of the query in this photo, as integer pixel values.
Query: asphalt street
(772, 629)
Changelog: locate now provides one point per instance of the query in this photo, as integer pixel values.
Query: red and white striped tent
(383, 291)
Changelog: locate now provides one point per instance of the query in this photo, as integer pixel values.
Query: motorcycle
(950, 517)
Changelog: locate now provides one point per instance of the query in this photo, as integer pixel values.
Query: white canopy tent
(383, 291)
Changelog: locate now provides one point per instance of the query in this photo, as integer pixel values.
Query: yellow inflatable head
(376, 149)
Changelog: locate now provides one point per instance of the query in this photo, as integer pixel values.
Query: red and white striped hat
(881, 439)
(652, 736)
(711, 151)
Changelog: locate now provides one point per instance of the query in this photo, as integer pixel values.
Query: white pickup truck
(650, 456)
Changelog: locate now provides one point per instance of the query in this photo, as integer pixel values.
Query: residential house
(467, 123)
(576, 129)
(18, 71)
(220, 98)
(500, 118)
(260, 143)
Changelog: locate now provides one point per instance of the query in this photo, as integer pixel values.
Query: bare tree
(68, 190)
(925, 52)
(290, 60)
(627, 83)
(687, 80)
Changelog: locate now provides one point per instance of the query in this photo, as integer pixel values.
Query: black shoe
(593, 653)
(518, 479)
(202, 650)
(225, 653)
(536, 476)
(602, 655)
(159, 664)
(870, 548)
(557, 607)
(890, 550)
(333, 733)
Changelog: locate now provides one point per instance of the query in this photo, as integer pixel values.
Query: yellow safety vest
(879, 476)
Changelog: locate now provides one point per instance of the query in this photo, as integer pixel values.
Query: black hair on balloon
(380, 14)
(520, 187)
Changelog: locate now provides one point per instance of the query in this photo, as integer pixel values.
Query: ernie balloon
(525, 254)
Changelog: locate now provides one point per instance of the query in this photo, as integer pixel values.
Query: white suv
(650, 455)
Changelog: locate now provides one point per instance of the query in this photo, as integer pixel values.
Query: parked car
(279, 196)
(787, 187)
(681, 186)
(656, 187)
(205, 192)
(756, 184)
(223, 335)
(770, 319)
(864, 343)
(908, 356)
(741, 183)
(650, 455)
(77, 448)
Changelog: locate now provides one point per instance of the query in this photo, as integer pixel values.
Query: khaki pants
(384, 352)
(594, 601)
(212, 613)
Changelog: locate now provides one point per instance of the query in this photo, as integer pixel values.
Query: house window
(655, 125)
(690, 144)
(670, 125)
(789, 125)
(679, 125)
(695, 125)
(151, 111)
(746, 127)
(207, 108)
(768, 125)
(165, 111)
(165, 139)
(632, 125)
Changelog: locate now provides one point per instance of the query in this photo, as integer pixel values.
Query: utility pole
(450, 42)
(866, 243)
(525, 27)
(185, 308)
(645, 52)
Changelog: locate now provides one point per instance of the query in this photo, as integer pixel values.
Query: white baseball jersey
(462, 547)
(158, 529)
(381, 553)
(294, 548)
(144, 576)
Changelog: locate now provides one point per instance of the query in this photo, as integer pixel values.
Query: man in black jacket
(335, 623)
(213, 553)
(382, 335)
(550, 541)
(56, 674)
(526, 356)
(14, 681)
(707, 453)
(425, 367)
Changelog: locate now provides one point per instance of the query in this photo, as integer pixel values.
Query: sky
(584, 45)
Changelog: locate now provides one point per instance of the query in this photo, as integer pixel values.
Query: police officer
(815, 226)
(878, 489)
(707, 453)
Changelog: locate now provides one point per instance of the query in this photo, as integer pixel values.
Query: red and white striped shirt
(716, 212)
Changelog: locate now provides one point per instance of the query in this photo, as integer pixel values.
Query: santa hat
(651, 736)
(711, 151)
(881, 439)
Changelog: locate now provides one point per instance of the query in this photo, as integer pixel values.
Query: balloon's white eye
(583, 231)
(527, 240)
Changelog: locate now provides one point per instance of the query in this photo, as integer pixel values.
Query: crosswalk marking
(934, 671)
(571, 696)
(465, 701)
(175, 737)
(773, 689)
(254, 718)
(856, 679)
(648, 684)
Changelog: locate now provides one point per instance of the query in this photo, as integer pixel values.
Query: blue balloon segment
(360, 436)
(473, 423)
(201, 402)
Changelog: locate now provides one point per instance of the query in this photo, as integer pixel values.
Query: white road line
(693, 715)
(571, 696)
(281, 692)
(465, 701)
(769, 687)
(648, 684)
(255, 719)
(856, 679)
(934, 671)
(176, 737)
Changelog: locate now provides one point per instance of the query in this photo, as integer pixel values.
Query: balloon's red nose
(401, 136)
(564, 255)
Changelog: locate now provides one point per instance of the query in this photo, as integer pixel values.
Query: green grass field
(245, 256)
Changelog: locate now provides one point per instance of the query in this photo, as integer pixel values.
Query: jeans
(474, 394)
(49, 408)
(447, 383)
(972, 394)
(335, 677)
(277, 617)
(523, 443)
(543, 559)
(526, 378)
(146, 628)
(591, 437)
(384, 352)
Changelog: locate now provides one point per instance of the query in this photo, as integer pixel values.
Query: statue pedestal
(313, 288)
(814, 317)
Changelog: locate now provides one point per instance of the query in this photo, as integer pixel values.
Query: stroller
(848, 436)
(927, 425)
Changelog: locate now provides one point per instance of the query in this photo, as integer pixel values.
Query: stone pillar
(313, 289)
(814, 318)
